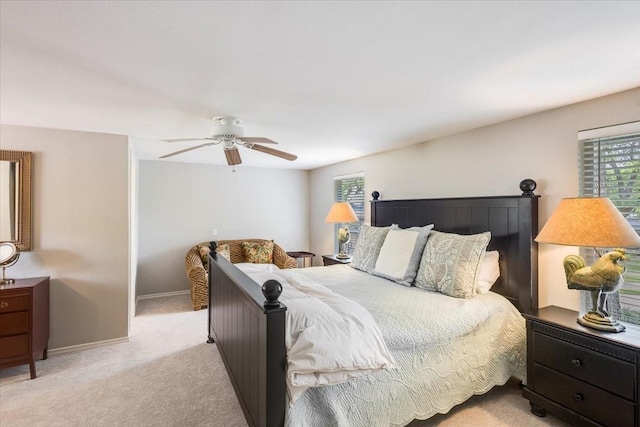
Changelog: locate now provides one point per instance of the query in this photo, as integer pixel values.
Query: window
(350, 188)
(610, 167)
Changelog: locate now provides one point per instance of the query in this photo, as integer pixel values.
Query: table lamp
(340, 213)
(594, 222)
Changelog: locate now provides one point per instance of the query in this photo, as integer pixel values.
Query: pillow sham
(489, 271)
(368, 245)
(400, 253)
(449, 263)
(258, 253)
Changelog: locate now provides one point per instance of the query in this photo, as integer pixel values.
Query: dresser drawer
(9, 304)
(14, 323)
(608, 373)
(592, 402)
(15, 346)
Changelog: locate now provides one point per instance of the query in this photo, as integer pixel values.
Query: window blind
(610, 167)
(350, 188)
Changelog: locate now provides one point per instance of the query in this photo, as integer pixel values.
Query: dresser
(588, 377)
(24, 322)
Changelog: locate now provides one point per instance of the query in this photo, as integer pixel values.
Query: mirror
(15, 198)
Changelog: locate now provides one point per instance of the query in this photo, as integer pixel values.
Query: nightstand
(585, 376)
(332, 260)
(301, 258)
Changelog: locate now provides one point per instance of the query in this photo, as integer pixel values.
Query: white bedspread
(330, 339)
(447, 349)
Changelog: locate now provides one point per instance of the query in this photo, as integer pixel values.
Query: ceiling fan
(227, 132)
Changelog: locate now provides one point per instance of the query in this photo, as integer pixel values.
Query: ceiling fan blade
(185, 150)
(272, 151)
(187, 139)
(233, 156)
(257, 139)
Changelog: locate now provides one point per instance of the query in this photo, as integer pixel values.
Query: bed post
(248, 324)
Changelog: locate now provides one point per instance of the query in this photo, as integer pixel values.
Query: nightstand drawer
(14, 323)
(10, 304)
(16, 346)
(616, 376)
(592, 402)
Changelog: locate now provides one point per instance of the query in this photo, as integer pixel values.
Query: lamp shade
(588, 221)
(341, 212)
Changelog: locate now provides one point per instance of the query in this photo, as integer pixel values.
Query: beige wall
(483, 162)
(80, 230)
(181, 203)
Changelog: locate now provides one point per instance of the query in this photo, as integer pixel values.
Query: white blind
(610, 167)
(350, 188)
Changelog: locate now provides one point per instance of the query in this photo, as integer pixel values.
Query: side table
(333, 260)
(585, 376)
(302, 257)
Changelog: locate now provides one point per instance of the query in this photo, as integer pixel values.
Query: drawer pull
(578, 397)
(4, 304)
(576, 362)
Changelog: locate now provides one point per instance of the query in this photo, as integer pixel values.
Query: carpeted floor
(168, 376)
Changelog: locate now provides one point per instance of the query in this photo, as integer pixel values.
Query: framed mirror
(15, 198)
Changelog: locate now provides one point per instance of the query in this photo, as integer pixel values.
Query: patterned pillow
(450, 263)
(258, 253)
(204, 255)
(224, 250)
(370, 240)
(400, 253)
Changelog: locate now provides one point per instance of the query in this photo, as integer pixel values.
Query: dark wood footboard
(251, 341)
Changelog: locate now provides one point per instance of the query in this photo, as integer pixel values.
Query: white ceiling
(329, 81)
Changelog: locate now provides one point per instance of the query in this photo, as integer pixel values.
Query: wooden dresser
(24, 322)
(585, 376)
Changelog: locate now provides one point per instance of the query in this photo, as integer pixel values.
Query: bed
(250, 331)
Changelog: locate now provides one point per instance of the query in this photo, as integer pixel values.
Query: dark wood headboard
(512, 221)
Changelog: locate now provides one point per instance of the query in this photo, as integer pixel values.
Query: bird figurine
(343, 239)
(602, 278)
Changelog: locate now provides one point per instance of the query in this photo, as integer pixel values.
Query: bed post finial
(271, 289)
(527, 186)
(375, 195)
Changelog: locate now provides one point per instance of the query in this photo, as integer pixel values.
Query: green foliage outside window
(610, 167)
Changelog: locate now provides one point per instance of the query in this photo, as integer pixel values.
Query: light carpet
(168, 376)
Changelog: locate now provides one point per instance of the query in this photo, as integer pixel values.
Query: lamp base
(601, 323)
(342, 255)
(7, 281)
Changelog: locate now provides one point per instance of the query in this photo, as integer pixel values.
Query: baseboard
(87, 346)
(161, 295)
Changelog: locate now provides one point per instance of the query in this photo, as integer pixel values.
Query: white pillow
(400, 254)
(489, 271)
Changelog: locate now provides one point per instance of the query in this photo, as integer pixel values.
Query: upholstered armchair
(197, 271)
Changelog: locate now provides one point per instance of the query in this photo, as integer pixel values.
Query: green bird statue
(602, 278)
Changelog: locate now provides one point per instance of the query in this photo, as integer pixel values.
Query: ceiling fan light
(226, 127)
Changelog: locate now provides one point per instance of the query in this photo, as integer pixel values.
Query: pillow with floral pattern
(224, 250)
(203, 251)
(258, 253)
